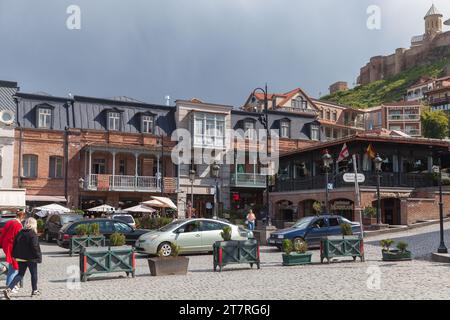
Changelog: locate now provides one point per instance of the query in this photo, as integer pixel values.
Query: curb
(440, 257)
(368, 234)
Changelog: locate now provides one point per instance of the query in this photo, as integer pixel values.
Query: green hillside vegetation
(386, 90)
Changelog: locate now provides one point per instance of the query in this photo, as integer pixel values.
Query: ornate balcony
(108, 182)
(248, 180)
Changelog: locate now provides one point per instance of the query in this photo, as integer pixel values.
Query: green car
(191, 235)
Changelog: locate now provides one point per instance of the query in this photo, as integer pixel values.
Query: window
(44, 118)
(209, 130)
(334, 116)
(148, 124)
(249, 130)
(212, 226)
(328, 117)
(315, 133)
(122, 227)
(193, 226)
(321, 113)
(114, 121)
(333, 222)
(56, 167)
(29, 166)
(285, 129)
(99, 166)
(122, 168)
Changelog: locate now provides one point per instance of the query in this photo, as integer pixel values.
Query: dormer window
(44, 116)
(285, 128)
(114, 121)
(147, 123)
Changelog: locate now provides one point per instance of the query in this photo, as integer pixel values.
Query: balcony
(107, 182)
(404, 117)
(248, 180)
(388, 180)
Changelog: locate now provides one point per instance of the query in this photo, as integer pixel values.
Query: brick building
(408, 187)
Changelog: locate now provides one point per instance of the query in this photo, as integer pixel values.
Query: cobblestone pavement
(343, 279)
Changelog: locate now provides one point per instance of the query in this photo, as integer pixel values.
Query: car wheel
(47, 237)
(166, 249)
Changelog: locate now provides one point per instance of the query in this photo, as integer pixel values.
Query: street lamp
(264, 120)
(442, 248)
(378, 162)
(215, 173)
(192, 178)
(327, 162)
(80, 186)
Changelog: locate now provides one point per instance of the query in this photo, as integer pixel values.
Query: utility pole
(357, 195)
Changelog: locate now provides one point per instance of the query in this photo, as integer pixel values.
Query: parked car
(55, 222)
(107, 227)
(192, 235)
(312, 229)
(127, 218)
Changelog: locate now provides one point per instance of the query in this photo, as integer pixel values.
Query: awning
(12, 198)
(33, 198)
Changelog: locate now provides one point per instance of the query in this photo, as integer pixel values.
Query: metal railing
(248, 180)
(109, 182)
(388, 179)
(404, 117)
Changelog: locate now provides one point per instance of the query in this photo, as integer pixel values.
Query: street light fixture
(264, 120)
(442, 248)
(192, 178)
(378, 162)
(215, 168)
(327, 162)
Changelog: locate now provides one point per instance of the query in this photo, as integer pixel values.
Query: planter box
(295, 259)
(368, 221)
(78, 243)
(341, 246)
(235, 252)
(396, 255)
(107, 260)
(167, 266)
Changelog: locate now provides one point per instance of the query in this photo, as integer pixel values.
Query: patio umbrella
(102, 208)
(139, 209)
(160, 202)
(54, 207)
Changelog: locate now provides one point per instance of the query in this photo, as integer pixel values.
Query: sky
(214, 50)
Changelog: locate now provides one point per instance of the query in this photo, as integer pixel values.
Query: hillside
(386, 90)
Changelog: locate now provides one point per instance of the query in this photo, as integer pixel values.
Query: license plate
(271, 241)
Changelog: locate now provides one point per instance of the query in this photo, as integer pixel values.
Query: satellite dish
(6, 117)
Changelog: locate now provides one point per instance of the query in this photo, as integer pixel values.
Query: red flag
(344, 153)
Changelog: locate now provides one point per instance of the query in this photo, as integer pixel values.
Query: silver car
(191, 235)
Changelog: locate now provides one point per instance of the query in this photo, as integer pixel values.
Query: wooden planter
(396, 255)
(106, 260)
(166, 266)
(235, 252)
(341, 246)
(80, 242)
(296, 259)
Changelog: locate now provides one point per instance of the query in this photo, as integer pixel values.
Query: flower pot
(295, 259)
(165, 266)
(396, 255)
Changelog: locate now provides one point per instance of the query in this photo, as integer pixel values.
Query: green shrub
(93, 229)
(117, 239)
(40, 225)
(300, 246)
(226, 233)
(78, 211)
(386, 244)
(147, 222)
(288, 247)
(175, 250)
(317, 207)
(346, 229)
(82, 229)
(370, 212)
(401, 245)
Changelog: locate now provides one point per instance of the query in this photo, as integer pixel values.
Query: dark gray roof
(7, 90)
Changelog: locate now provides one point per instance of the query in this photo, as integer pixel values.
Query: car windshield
(126, 219)
(344, 220)
(172, 225)
(303, 223)
(71, 218)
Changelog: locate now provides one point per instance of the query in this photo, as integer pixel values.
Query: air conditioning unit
(6, 117)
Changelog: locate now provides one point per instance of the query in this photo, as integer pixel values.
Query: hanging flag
(344, 153)
(371, 152)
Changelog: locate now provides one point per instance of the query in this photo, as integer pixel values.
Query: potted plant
(295, 253)
(317, 207)
(116, 258)
(234, 252)
(400, 254)
(40, 227)
(88, 235)
(171, 265)
(370, 216)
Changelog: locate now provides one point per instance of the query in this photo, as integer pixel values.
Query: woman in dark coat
(27, 252)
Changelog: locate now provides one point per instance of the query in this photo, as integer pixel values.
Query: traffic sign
(350, 177)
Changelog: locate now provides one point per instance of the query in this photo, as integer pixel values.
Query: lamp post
(191, 179)
(264, 120)
(327, 161)
(215, 173)
(442, 248)
(80, 186)
(378, 161)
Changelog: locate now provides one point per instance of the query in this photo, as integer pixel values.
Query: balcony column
(136, 159)
(113, 169)
(430, 164)
(90, 168)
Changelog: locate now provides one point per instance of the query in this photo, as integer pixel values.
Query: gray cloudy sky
(215, 50)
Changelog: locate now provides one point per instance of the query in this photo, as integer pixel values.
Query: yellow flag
(371, 151)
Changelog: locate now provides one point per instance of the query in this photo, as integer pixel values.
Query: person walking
(27, 252)
(11, 229)
(251, 218)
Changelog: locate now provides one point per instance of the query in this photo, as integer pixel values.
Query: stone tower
(433, 23)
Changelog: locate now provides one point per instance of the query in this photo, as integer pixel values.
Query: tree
(434, 124)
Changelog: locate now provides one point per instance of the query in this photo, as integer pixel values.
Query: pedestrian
(28, 254)
(11, 229)
(251, 220)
